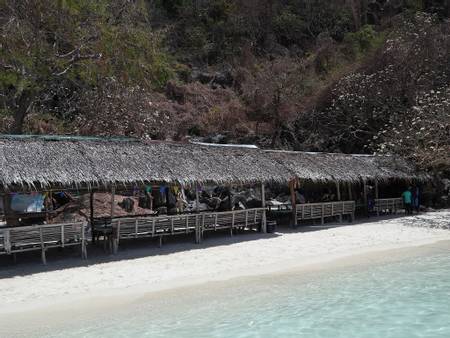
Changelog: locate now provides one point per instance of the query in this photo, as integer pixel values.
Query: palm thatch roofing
(344, 167)
(73, 161)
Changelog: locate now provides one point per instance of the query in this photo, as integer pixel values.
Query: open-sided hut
(35, 162)
(46, 163)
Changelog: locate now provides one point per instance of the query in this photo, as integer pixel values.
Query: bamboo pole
(197, 198)
(350, 194)
(115, 232)
(338, 190)
(366, 207)
(6, 206)
(377, 197)
(197, 210)
(293, 202)
(91, 207)
(113, 193)
(263, 205)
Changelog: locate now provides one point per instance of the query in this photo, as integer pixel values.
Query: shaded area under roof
(40, 162)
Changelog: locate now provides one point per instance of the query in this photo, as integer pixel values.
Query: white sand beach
(145, 268)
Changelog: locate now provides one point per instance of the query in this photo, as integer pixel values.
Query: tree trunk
(23, 107)
(356, 13)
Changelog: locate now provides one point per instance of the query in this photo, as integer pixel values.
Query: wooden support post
(91, 207)
(6, 206)
(115, 232)
(377, 197)
(350, 194)
(263, 205)
(83, 241)
(338, 190)
(197, 198)
(293, 203)
(41, 237)
(166, 191)
(49, 205)
(113, 193)
(366, 207)
(322, 218)
(197, 219)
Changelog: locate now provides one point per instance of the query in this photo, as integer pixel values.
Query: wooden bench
(322, 211)
(149, 227)
(388, 205)
(251, 219)
(43, 237)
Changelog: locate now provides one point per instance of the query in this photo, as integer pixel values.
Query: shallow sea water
(408, 298)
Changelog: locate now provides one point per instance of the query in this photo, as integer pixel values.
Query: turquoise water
(408, 298)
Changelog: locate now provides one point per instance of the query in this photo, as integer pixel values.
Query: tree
(271, 94)
(54, 50)
(422, 133)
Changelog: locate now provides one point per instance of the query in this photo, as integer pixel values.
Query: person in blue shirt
(407, 200)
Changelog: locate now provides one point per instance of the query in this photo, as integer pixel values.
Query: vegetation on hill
(325, 75)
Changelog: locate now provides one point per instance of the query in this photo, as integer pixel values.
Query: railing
(280, 207)
(390, 205)
(144, 227)
(43, 237)
(324, 210)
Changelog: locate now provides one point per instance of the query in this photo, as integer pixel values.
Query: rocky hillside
(325, 75)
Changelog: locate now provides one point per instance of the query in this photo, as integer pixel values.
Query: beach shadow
(28, 263)
(59, 259)
(315, 225)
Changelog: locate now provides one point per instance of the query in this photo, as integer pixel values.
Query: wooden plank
(91, 207)
(377, 196)
(293, 202)
(197, 198)
(263, 205)
(366, 207)
(113, 193)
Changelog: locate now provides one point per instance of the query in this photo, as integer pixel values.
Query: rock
(222, 78)
(127, 204)
(162, 210)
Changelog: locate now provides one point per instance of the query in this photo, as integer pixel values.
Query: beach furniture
(198, 224)
(43, 237)
(251, 219)
(325, 210)
(388, 205)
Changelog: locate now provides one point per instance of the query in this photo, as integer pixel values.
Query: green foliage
(289, 27)
(52, 51)
(363, 40)
(415, 5)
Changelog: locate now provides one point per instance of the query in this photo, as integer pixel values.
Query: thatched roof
(37, 161)
(344, 167)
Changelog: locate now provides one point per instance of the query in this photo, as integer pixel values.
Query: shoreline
(82, 308)
(308, 252)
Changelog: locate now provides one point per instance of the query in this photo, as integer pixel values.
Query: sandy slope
(146, 268)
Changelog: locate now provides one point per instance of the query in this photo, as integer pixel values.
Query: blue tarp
(27, 202)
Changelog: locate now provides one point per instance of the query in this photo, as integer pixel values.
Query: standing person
(416, 199)
(407, 200)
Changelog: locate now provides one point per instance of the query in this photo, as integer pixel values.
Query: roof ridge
(67, 138)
